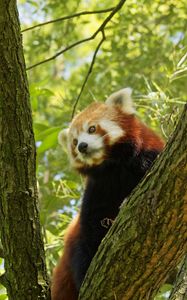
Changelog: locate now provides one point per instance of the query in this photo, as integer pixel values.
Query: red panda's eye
(91, 129)
(75, 142)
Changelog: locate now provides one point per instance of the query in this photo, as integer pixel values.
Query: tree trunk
(149, 237)
(25, 276)
(179, 291)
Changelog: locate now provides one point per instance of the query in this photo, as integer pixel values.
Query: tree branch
(114, 11)
(88, 73)
(100, 29)
(83, 13)
(60, 52)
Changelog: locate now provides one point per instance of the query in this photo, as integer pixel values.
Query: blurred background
(145, 48)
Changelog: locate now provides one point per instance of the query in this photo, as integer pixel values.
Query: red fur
(137, 132)
(63, 287)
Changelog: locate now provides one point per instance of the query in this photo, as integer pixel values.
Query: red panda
(110, 146)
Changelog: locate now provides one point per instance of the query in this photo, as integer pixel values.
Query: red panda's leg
(63, 287)
(81, 260)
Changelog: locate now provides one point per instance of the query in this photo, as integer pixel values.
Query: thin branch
(60, 52)
(114, 11)
(100, 29)
(88, 73)
(69, 17)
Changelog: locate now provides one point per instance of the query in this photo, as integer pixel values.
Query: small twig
(88, 73)
(69, 17)
(100, 29)
(60, 52)
(114, 11)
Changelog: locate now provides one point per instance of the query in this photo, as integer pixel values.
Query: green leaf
(3, 297)
(41, 136)
(49, 139)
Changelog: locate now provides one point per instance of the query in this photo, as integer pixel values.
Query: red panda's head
(97, 128)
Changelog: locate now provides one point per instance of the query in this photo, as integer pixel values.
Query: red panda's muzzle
(83, 147)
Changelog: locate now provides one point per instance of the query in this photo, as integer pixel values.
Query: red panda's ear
(123, 99)
(62, 137)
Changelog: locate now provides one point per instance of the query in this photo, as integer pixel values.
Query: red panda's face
(91, 133)
(96, 129)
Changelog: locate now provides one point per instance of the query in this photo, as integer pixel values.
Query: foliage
(145, 48)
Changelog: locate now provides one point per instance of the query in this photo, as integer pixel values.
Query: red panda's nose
(82, 147)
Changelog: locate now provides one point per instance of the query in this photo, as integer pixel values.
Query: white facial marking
(89, 160)
(113, 130)
(85, 126)
(74, 132)
(63, 136)
(95, 150)
(94, 141)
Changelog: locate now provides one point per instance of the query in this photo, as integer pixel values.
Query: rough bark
(179, 291)
(25, 276)
(149, 237)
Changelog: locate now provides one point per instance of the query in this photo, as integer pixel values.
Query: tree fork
(149, 237)
(26, 276)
